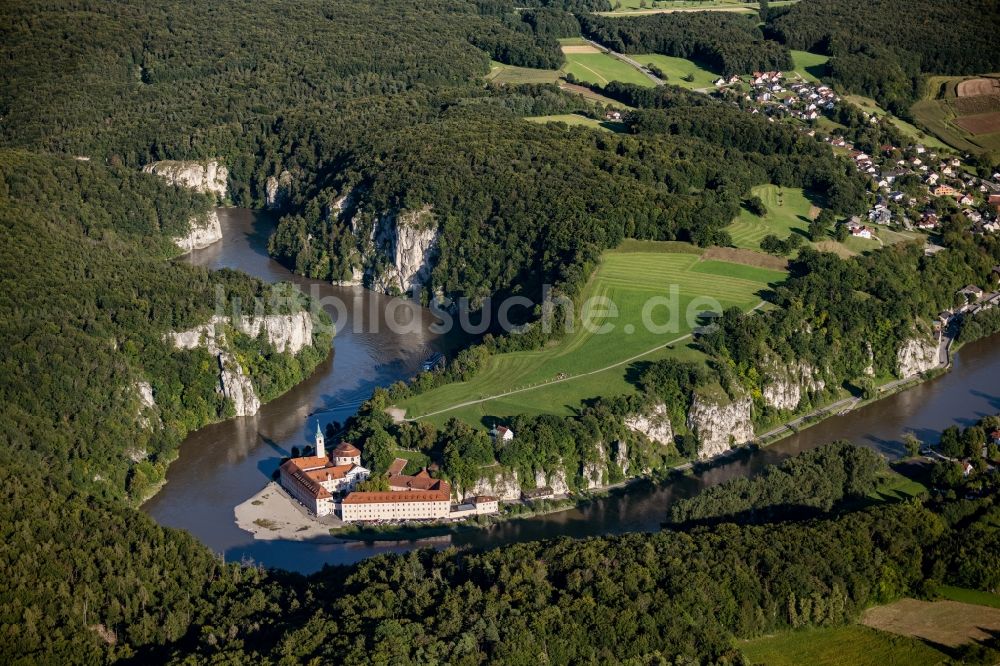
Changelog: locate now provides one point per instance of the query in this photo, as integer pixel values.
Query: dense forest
(90, 92)
(881, 48)
(85, 246)
(725, 43)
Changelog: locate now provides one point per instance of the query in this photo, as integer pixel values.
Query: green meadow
(677, 68)
(809, 66)
(501, 74)
(853, 645)
(602, 69)
(586, 364)
(575, 119)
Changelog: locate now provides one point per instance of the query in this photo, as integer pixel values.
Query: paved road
(624, 58)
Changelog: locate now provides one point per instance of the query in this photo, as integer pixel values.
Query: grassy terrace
(586, 364)
(575, 119)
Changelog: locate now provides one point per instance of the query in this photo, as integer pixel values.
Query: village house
(971, 292)
(503, 434)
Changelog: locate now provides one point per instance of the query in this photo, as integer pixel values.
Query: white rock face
(356, 280)
(277, 190)
(556, 480)
(237, 387)
(621, 457)
(286, 332)
(870, 355)
(409, 241)
(916, 356)
(720, 427)
(593, 472)
(209, 176)
(784, 386)
(655, 425)
(204, 232)
(148, 406)
(503, 486)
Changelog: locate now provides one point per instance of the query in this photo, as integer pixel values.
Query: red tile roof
(397, 467)
(389, 497)
(402, 482)
(346, 450)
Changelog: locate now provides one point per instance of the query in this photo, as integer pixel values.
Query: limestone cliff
(204, 231)
(594, 472)
(784, 385)
(147, 405)
(288, 333)
(236, 386)
(555, 480)
(720, 426)
(916, 356)
(208, 176)
(655, 425)
(621, 457)
(407, 243)
(278, 190)
(502, 485)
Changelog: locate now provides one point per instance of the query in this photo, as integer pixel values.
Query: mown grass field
(602, 69)
(677, 68)
(501, 74)
(950, 623)
(558, 378)
(574, 119)
(808, 65)
(967, 596)
(789, 211)
(852, 645)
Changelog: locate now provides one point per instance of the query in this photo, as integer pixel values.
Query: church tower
(320, 442)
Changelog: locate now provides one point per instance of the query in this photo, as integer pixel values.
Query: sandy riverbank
(272, 514)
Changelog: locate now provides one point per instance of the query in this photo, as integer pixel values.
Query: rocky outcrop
(408, 239)
(278, 190)
(236, 386)
(286, 332)
(869, 369)
(208, 177)
(357, 279)
(502, 485)
(593, 472)
(655, 425)
(916, 356)
(147, 407)
(555, 480)
(720, 426)
(204, 231)
(784, 386)
(621, 457)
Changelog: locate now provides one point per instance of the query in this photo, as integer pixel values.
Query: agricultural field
(587, 363)
(810, 66)
(950, 623)
(667, 6)
(576, 120)
(597, 67)
(964, 112)
(968, 596)
(677, 68)
(852, 645)
(501, 74)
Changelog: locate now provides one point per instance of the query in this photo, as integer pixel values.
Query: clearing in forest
(948, 623)
(585, 364)
(600, 68)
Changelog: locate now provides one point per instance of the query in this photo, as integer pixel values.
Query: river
(223, 464)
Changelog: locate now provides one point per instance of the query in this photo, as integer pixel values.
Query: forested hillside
(88, 299)
(881, 48)
(727, 43)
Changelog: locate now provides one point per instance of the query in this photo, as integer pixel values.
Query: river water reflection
(223, 464)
